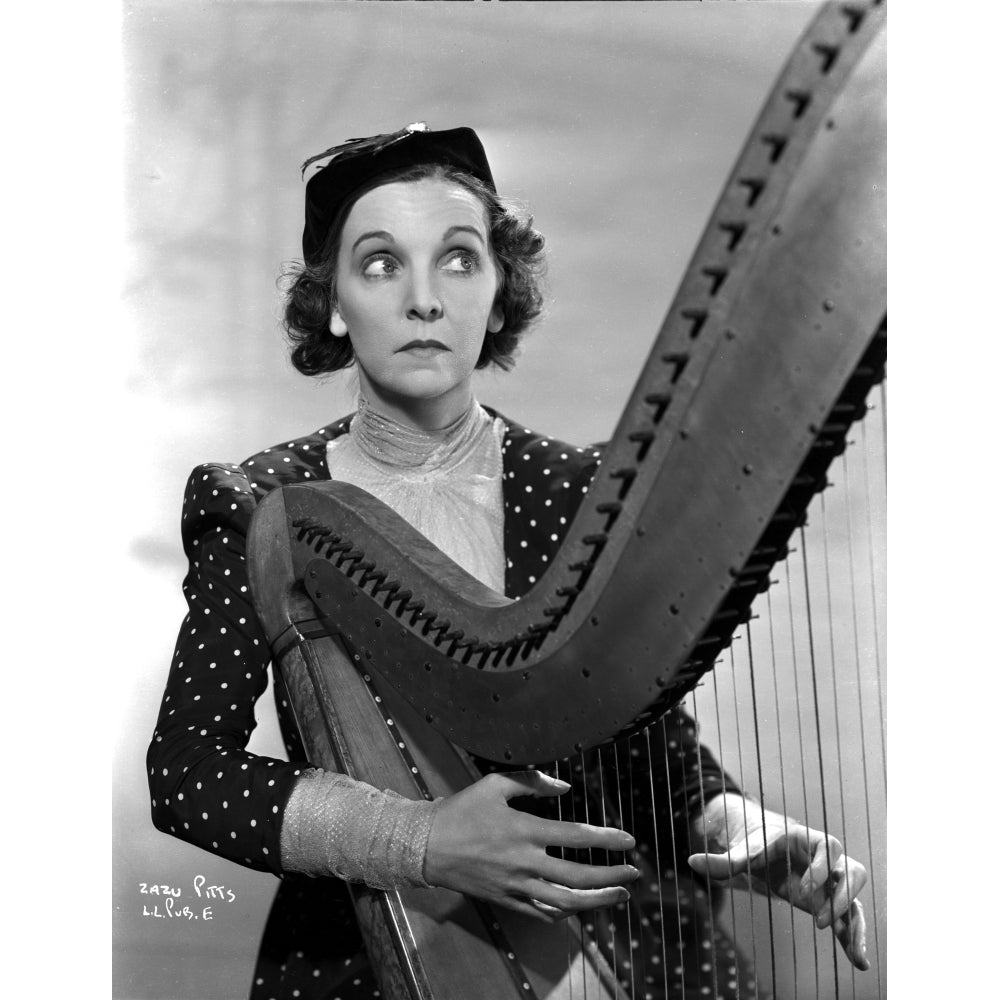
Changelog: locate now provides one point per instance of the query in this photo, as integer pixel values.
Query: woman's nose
(423, 301)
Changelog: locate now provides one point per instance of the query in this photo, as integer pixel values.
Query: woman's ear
(496, 320)
(337, 325)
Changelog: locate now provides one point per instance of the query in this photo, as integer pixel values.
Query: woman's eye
(463, 261)
(379, 267)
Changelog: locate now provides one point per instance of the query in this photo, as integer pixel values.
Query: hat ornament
(368, 144)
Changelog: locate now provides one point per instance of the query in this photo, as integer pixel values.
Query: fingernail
(563, 785)
(629, 841)
(634, 873)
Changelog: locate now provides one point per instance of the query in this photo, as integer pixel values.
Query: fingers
(826, 851)
(851, 933)
(579, 876)
(717, 866)
(547, 912)
(532, 908)
(846, 880)
(744, 857)
(556, 833)
(567, 900)
(544, 910)
(830, 881)
(537, 784)
(805, 866)
(808, 868)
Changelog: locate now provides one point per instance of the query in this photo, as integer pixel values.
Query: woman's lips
(423, 345)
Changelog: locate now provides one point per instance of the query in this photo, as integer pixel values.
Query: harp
(399, 665)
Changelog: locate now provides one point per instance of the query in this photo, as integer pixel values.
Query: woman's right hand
(480, 846)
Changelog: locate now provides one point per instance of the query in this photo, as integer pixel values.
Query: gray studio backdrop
(615, 123)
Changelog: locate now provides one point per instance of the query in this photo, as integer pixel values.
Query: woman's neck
(427, 415)
(386, 440)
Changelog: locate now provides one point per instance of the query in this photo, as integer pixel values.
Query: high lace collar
(386, 441)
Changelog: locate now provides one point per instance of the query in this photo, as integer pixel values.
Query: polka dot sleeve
(205, 787)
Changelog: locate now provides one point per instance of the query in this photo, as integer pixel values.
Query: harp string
(628, 909)
(784, 796)
(738, 728)
(760, 782)
(672, 814)
(873, 510)
(793, 645)
(661, 871)
(572, 771)
(584, 926)
(562, 855)
(713, 933)
(819, 737)
(835, 700)
(637, 943)
(873, 875)
(883, 412)
(874, 591)
(607, 861)
(721, 749)
(656, 849)
(573, 817)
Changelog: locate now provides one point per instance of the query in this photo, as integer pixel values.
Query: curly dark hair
(517, 250)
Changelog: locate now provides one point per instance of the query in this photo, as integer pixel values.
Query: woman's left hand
(775, 854)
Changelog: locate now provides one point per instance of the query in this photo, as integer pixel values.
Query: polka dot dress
(207, 789)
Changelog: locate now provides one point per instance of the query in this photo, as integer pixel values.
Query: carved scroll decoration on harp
(777, 333)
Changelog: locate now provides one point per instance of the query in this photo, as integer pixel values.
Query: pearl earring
(338, 328)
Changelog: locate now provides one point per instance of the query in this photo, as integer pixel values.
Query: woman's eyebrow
(382, 234)
(452, 230)
(374, 234)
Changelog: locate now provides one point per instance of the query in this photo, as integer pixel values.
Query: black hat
(358, 161)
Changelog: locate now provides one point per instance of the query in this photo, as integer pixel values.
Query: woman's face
(415, 290)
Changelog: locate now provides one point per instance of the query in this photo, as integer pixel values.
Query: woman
(415, 270)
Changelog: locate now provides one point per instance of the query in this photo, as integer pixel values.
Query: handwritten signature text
(169, 902)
